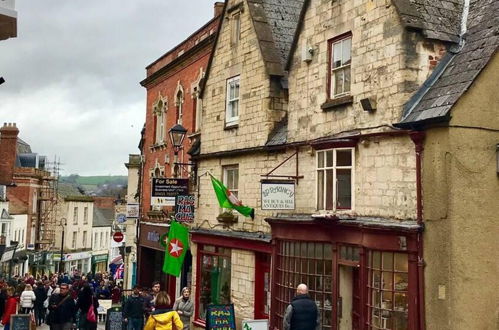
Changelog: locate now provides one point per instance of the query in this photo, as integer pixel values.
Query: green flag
(176, 248)
(228, 200)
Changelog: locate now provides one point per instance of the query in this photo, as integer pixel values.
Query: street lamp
(177, 135)
(61, 264)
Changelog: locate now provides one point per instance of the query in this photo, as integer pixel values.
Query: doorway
(349, 308)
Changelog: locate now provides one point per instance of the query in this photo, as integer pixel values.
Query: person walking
(41, 296)
(302, 312)
(86, 300)
(62, 309)
(184, 307)
(133, 311)
(10, 308)
(163, 318)
(27, 299)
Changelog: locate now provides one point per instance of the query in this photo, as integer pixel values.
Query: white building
(101, 239)
(13, 229)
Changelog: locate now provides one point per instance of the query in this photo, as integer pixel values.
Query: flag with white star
(176, 248)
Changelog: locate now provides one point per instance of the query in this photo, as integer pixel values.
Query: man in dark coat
(133, 312)
(41, 296)
(62, 309)
(302, 313)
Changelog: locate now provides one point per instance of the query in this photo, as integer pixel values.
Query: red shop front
(362, 272)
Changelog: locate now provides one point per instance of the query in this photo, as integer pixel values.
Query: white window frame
(73, 240)
(334, 167)
(341, 68)
(84, 239)
(75, 215)
(231, 120)
(85, 215)
(226, 169)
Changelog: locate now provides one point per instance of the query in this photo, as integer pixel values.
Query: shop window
(388, 290)
(335, 179)
(232, 106)
(349, 255)
(340, 66)
(214, 277)
(309, 263)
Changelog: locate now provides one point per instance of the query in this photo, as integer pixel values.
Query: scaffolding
(47, 206)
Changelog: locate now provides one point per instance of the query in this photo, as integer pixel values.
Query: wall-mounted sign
(132, 210)
(121, 218)
(164, 190)
(184, 208)
(118, 237)
(278, 195)
(153, 236)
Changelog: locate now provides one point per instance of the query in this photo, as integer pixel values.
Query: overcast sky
(73, 72)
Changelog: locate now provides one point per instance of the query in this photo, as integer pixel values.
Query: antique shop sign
(164, 190)
(278, 195)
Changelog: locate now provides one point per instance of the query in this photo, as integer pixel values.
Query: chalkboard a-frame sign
(20, 322)
(114, 319)
(220, 317)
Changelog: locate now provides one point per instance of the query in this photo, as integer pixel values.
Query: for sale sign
(164, 190)
(184, 208)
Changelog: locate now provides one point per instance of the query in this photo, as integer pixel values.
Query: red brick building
(172, 84)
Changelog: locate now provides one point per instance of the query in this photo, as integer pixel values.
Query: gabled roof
(457, 70)
(438, 19)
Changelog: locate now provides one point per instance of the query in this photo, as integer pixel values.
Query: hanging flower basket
(227, 218)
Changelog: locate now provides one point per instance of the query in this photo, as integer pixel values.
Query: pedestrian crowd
(71, 301)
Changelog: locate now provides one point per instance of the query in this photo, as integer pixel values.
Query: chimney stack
(219, 7)
(8, 151)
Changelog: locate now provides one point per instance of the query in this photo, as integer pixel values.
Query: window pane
(338, 82)
(329, 158)
(387, 261)
(336, 55)
(346, 51)
(344, 193)
(401, 262)
(329, 189)
(344, 158)
(387, 281)
(401, 281)
(320, 159)
(320, 190)
(236, 89)
(347, 82)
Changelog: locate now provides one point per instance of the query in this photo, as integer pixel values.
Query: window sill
(158, 146)
(337, 102)
(231, 126)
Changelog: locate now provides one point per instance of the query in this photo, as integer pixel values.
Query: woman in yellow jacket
(163, 317)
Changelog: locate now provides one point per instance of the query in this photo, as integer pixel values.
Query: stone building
(8, 20)
(299, 105)
(457, 109)
(172, 84)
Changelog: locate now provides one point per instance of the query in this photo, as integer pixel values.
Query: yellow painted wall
(461, 211)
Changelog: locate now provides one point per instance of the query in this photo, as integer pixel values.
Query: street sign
(121, 217)
(118, 236)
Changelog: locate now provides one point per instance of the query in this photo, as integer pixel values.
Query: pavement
(100, 326)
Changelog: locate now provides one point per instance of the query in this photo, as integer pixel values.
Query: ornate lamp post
(61, 262)
(177, 135)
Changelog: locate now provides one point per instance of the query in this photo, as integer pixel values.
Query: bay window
(335, 179)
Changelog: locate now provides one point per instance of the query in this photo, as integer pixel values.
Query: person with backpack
(87, 305)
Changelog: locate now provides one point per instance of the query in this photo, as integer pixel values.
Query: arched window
(159, 110)
(179, 100)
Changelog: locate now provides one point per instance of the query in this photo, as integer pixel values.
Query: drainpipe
(418, 138)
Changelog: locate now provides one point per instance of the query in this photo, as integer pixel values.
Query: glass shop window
(214, 282)
(309, 263)
(388, 290)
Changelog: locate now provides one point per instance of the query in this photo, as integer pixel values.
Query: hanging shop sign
(76, 256)
(278, 195)
(132, 210)
(164, 190)
(184, 208)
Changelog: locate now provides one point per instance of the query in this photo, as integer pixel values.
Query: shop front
(231, 267)
(151, 254)
(99, 263)
(362, 273)
(80, 261)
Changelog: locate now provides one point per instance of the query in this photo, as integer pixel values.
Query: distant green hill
(94, 180)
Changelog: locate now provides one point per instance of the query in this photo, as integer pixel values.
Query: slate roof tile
(481, 42)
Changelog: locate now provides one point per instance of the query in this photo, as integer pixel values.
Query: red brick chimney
(219, 7)
(8, 151)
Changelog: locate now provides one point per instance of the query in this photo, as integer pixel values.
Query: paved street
(100, 326)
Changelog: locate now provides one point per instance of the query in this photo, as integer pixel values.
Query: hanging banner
(184, 208)
(164, 190)
(278, 195)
